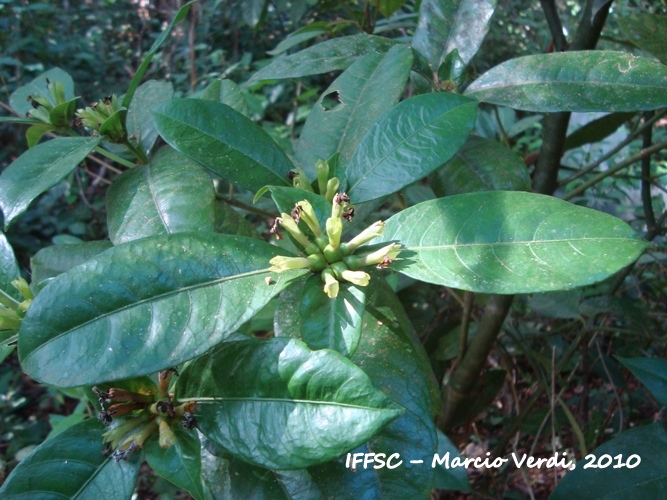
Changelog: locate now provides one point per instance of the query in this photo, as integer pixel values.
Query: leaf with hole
(510, 242)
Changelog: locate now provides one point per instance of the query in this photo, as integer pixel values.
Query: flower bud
(9, 320)
(24, 289)
(309, 217)
(322, 170)
(300, 179)
(291, 227)
(280, 263)
(368, 234)
(358, 278)
(334, 231)
(332, 188)
(167, 437)
(377, 258)
(331, 285)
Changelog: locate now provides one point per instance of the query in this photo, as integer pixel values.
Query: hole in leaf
(331, 101)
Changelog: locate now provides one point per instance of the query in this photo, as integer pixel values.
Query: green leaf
(224, 141)
(72, 465)
(35, 133)
(145, 306)
(143, 67)
(285, 198)
(388, 7)
(481, 165)
(254, 11)
(226, 92)
(171, 194)
(229, 221)
(647, 480)
(331, 323)
(339, 130)
(300, 36)
(450, 479)
(51, 261)
(596, 130)
(394, 359)
(445, 25)
(9, 271)
(581, 81)
(140, 127)
(413, 139)
(332, 55)
(180, 464)
(19, 100)
(294, 407)
(39, 169)
(61, 114)
(20, 121)
(114, 126)
(646, 31)
(652, 372)
(510, 242)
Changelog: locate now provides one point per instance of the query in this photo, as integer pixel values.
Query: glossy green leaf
(648, 479)
(229, 221)
(62, 114)
(145, 63)
(652, 372)
(19, 100)
(5, 350)
(19, 121)
(445, 25)
(510, 242)
(394, 359)
(481, 165)
(413, 139)
(596, 130)
(285, 199)
(51, 261)
(72, 465)
(302, 35)
(226, 92)
(114, 126)
(332, 55)
(140, 127)
(581, 81)
(35, 133)
(224, 141)
(39, 169)
(171, 194)
(452, 69)
(646, 31)
(9, 271)
(145, 306)
(277, 404)
(339, 130)
(331, 323)
(180, 464)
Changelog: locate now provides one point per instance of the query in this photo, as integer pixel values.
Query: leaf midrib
(508, 243)
(203, 400)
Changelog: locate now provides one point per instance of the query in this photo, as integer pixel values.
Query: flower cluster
(104, 117)
(43, 106)
(325, 253)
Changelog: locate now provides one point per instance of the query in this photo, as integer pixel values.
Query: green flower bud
(308, 216)
(280, 263)
(317, 262)
(300, 179)
(167, 437)
(331, 285)
(381, 257)
(9, 320)
(322, 169)
(291, 227)
(332, 188)
(24, 289)
(334, 231)
(358, 278)
(368, 234)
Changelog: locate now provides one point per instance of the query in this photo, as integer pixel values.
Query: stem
(469, 298)
(619, 166)
(243, 206)
(467, 372)
(649, 215)
(135, 151)
(113, 157)
(555, 26)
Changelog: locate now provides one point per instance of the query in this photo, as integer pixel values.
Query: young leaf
(330, 323)
(332, 55)
(581, 81)
(145, 306)
(39, 169)
(292, 406)
(445, 25)
(143, 67)
(140, 128)
(481, 165)
(652, 372)
(643, 447)
(72, 465)
(171, 194)
(226, 92)
(180, 464)
(510, 242)
(648, 32)
(35, 133)
(224, 141)
(340, 130)
(51, 261)
(392, 356)
(9, 270)
(20, 101)
(413, 139)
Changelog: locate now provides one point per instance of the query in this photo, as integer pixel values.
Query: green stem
(647, 140)
(136, 152)
(113, 157)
